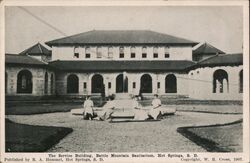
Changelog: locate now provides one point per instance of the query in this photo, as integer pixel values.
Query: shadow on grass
(28, 138)
(216, 138)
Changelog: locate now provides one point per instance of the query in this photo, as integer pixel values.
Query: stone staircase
(122, 96)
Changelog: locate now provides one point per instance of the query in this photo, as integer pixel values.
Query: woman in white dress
(108, 110)
(154, 112)
(88, 112)
(139, 113)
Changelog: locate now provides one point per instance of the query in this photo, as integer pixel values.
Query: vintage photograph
(124, 79)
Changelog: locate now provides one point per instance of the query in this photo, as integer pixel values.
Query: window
(121, 55)
(158, 85)
(166, 52)
(109, 85)
(87, 55)
(110, 52)
(84, 85)
(76, 55)
(134, 85)
(155, 52)
(132, 55)
(87, 52)
(76, 52)
(121, 51)
(144, 52)
(52, 84)
(132, 52)
(46, 85)
(241, 82)
(99, 52)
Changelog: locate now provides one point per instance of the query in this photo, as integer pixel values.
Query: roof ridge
(207, 58)
(36, 59)
(39, 46)
(120, 37)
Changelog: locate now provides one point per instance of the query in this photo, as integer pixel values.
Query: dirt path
(97, 136)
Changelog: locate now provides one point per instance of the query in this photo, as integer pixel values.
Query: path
(97, 136)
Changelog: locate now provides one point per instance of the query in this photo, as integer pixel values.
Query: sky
(221, 26)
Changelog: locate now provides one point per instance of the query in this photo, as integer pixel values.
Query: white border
(243, 3)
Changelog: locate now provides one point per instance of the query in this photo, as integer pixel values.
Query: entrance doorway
(146, 84)
(97, 84)
(121, 84)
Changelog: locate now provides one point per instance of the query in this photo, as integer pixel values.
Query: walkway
(98, 136)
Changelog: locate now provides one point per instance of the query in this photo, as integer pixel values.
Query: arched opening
(52, 84)
(24, 82)
(220, 81)
(46, 83)
(6, 83)
(97, 85)
(241, 82)
(121, 84)
(72, 84)
(170, 84)
(146, 84)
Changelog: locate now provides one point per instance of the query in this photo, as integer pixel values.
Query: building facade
(129, 62)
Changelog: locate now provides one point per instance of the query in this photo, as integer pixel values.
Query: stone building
(126, 62)
(25, 76)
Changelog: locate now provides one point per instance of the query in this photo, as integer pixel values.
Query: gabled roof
(22, 60)
(89, 66)
(120, 37)
(207, 49)
(221, 60)
(36, 49)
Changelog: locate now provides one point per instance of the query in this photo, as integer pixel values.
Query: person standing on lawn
(88, 112)
(154, 112)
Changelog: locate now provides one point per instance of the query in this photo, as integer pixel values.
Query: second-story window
(99, 52)
(155, 52)
(166, 52)
(132, 52)
(76, 52)
(144, 52)
(121, 52)
(110, 52)
(87, 52)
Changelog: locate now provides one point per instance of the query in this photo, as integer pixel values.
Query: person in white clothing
(139, 113)
(154, 112)
(108, 110)
(88, 112)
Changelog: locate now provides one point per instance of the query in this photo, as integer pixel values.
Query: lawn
(28, 138)
(40, 108)
(216, 138)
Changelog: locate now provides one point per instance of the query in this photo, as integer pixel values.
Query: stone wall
(201, 83)
(38, 78)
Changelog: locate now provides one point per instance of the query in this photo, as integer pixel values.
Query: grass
(216, 138)
(39, 108)
(28, 138)
(30, 108)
